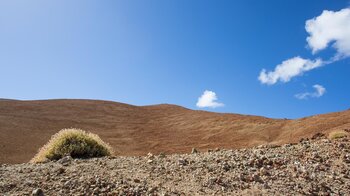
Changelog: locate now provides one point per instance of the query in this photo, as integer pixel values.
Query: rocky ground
(312, 167)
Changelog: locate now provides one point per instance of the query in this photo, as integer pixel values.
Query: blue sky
(152, 52)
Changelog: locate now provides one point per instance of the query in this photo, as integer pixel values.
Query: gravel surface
(311, 167)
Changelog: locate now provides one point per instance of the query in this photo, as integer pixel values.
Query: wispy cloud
(208, 99)
(319, 91)
(288, 69)
(329, 27)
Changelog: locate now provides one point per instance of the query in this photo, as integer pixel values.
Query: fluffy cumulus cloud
(288, 69)
(208, 99)
(319, 91)
(330, 27)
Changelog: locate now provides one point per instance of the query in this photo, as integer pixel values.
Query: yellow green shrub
(75, 143)
(337, 134)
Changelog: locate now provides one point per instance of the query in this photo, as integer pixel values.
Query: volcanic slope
(25, 126)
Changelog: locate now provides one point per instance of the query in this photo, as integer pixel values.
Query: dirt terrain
(25, 126)
(311, 167)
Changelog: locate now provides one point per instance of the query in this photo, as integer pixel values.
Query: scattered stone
(318, 136)
(65, 160)
(266, 186)
(149, 161)
(183, 162)
(38, 192)
(264, 171)
(60, 170)
(312, 167)
(256, 178)
(137, 180)
(150, 156)
(162, 155)
(194, 151)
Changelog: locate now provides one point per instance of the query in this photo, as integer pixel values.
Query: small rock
(149, 161)
(46, 160)
(151, 190)
(242, 177)
(60, 170)
(317, 136)
(266, 186)
(346, 158)
(96, 190)
(183, 162)
(341, 145)
(256, 178)
(38, 192)
(264, 171)
(67, 183)
(162, 155)
(194, 151)
(65, 160)
(226, 167)
(150, 156)
(137, 180)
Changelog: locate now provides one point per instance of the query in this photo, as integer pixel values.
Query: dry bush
(337, 134)
(74, 142)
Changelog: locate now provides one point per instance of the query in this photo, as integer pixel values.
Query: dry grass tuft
(337, 134)
(74, 142)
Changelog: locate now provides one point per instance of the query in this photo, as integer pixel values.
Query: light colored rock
(38, 192)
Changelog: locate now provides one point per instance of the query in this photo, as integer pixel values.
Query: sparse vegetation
(337, 134)
(74, 142)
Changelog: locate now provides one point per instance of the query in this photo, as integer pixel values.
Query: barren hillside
(136, 130)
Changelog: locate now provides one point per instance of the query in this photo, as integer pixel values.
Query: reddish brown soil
(25, 126)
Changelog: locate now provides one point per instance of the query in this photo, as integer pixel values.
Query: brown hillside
(136, 130)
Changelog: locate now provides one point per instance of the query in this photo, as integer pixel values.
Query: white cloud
(208, 99)
(319, 91)
(288, 69)
(330, 27)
